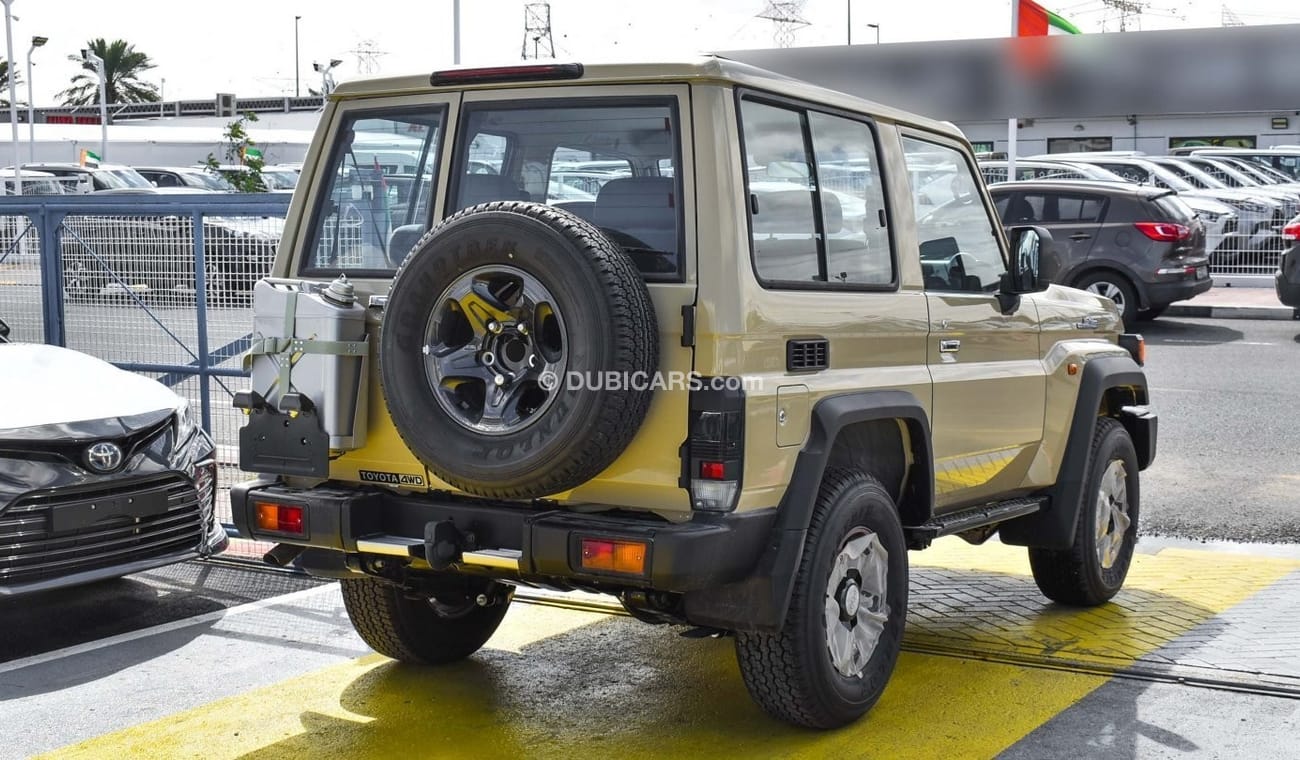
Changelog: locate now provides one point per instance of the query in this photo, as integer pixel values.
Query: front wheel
(1093, 569)
(424, 630)
(831, 660)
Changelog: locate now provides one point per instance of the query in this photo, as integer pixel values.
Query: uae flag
(1036, 21)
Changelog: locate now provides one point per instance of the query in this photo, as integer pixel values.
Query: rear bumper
(1287, 279)
(512, 541)
(1164, 293)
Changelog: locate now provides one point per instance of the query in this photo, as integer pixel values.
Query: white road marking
(175, 625)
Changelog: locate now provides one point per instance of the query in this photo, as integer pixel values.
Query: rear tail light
(506, 74)
(1164, 232)
(714, 455)
(1292, 231)
(274, 517)
(614, 555)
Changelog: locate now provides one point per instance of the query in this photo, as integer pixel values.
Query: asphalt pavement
(1228, 464)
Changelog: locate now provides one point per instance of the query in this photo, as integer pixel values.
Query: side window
(1131, 173)
(853, 201)
(608, 161)
(993, 174)
(1054, 208)
(782, 223)
(816, 198)
(958, 243)
(370, 218)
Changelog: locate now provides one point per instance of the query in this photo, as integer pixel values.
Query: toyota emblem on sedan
(104, 456)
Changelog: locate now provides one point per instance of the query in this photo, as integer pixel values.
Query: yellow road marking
(614, 687)
(560, 683)
(1166, 595)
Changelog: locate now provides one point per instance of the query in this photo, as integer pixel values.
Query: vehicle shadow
(625, 688)
(1169, 330)
(40, 623)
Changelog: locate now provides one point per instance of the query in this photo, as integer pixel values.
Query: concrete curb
(1231, 312)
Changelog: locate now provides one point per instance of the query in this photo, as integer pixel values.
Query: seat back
(643, 208)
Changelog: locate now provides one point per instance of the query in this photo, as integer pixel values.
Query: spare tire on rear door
(502, 330)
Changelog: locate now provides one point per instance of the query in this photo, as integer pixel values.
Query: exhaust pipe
(282, 554)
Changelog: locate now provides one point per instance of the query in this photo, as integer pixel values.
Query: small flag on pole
(1036, 21)
(89, 158)
(248, 153)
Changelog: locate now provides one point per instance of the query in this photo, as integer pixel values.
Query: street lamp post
(89, 56)
(455, 32)
(848, 18)
(297, 92)
(877, 28)
(31, 100)
(13, 93)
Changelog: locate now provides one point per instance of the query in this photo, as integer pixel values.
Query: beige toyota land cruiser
(719, 343)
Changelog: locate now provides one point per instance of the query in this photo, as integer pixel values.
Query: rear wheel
(831, 660)
(1117, 288)
(1093, 569)
(424, 630)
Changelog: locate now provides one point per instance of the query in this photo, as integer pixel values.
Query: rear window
(376, 208)
(610, 161)
(1175, 207)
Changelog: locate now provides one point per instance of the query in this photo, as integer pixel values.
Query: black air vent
(807, 354)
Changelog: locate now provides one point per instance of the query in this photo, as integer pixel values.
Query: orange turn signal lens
(613, 556)
(280, 518)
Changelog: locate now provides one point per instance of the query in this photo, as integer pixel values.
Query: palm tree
(123, 65)
(4, 82)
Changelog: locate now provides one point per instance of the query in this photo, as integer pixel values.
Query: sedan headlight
(186, 423)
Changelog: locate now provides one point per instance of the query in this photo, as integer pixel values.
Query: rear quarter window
(1176, 208)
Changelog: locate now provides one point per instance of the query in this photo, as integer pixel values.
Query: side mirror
(1034, 261)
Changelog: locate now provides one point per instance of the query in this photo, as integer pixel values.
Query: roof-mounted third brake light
(506, 74)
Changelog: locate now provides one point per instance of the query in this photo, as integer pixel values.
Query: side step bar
(985, 516)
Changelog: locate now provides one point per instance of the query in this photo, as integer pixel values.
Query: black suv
(1142, 247)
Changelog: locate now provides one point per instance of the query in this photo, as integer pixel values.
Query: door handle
(949, 346)
(1080, 236)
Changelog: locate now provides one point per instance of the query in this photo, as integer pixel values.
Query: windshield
(208, 181)
(279, 180)
(124, 177)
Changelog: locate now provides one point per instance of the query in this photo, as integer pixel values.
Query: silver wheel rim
(856, 609)
(1109, 290)
(1112, 513)
(495, 350)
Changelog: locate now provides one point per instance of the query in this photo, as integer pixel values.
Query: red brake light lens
(614, 556)
(713, 470)
(506, 74)
(280, 518)
(1164, 232)
(1292, 230)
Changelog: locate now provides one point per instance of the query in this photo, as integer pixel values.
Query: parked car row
(1209, 207)
(75, 179)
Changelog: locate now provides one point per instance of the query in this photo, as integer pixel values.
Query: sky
(201, 48)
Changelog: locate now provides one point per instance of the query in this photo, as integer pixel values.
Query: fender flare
(1053, 527)
(760, 602)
